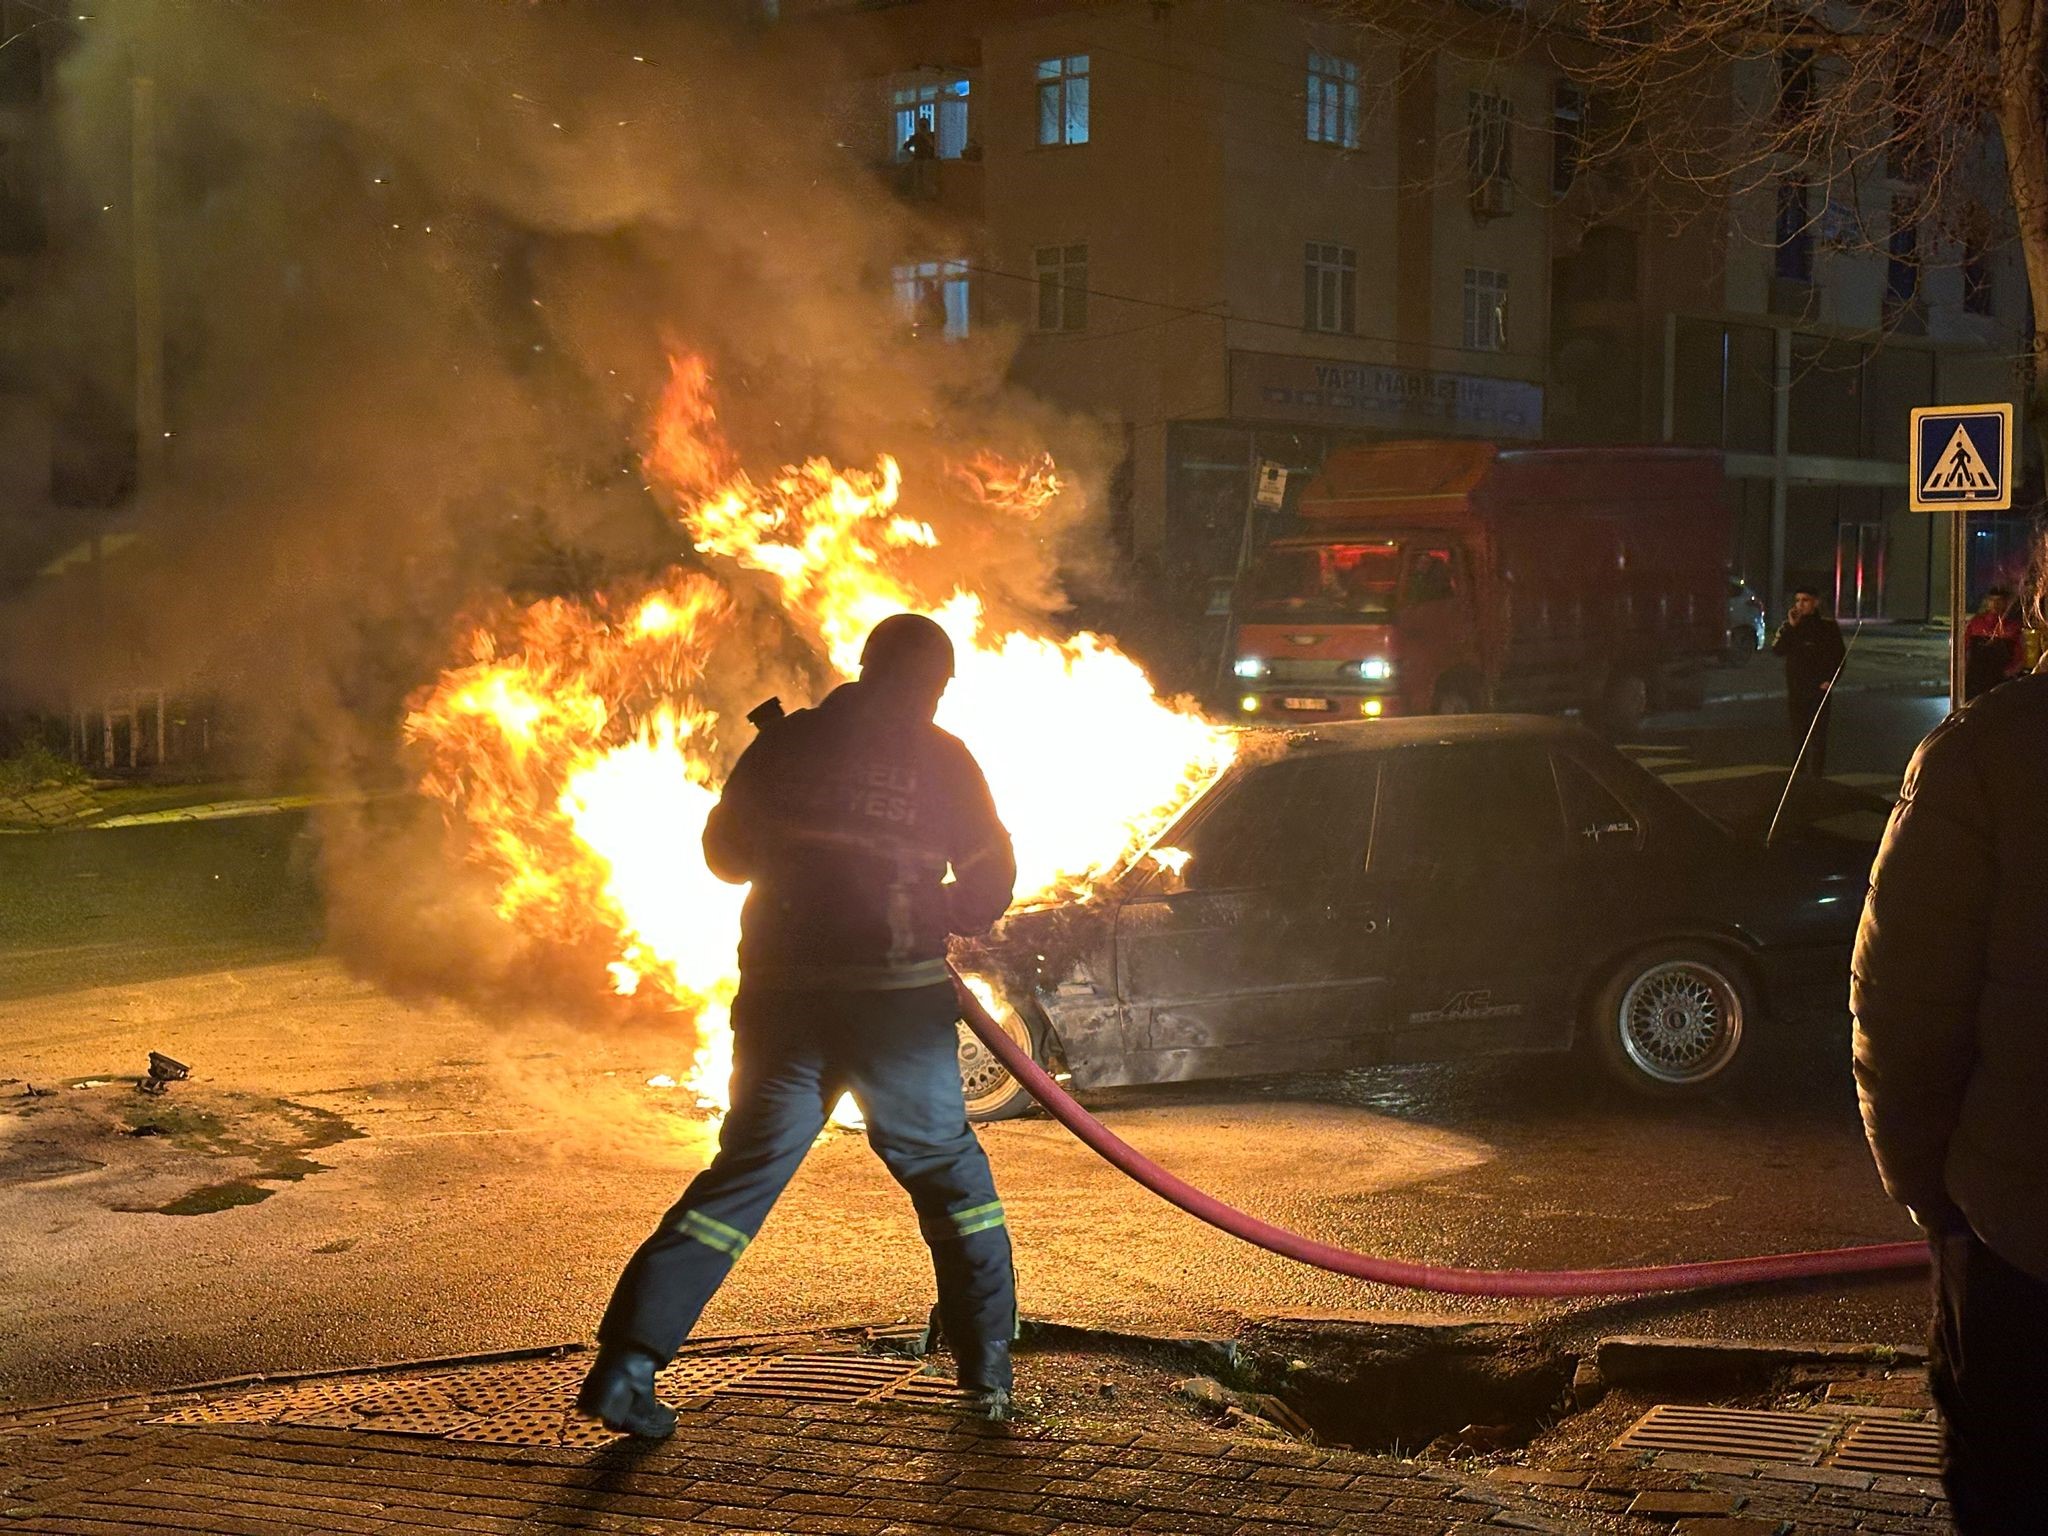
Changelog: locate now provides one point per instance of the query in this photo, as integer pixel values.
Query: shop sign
(1277, 386)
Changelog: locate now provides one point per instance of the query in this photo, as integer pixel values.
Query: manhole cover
(1891, 1446)
(1752, 1432)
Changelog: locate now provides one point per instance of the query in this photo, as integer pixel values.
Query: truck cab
(1337, 628)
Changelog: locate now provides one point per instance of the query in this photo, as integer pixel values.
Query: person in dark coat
(1949, 989)
(1811, 643)
(846, 819)
(1993, 644)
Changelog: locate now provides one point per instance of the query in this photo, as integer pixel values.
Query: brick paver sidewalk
(778, 1436)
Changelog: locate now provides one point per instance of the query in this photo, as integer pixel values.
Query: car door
(1469, 847)
(1268, 949)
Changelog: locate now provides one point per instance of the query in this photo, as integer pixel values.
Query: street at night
(479, 1173)
(894, 767)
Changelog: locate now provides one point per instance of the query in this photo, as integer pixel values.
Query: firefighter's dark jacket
(846, 818)
(1950, 981)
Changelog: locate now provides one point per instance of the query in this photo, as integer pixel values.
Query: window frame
(1792, 242)
(1056, 267)
(1332, 99)
(1568, 144)
(1979, 278)
(1490, 153)
(1063, 87)
(1402, 767)
(914, 98)
(1329, 280)
(951, 274)
(1486, 324)
(1361, 772)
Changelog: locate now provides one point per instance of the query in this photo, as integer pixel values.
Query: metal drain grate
(532, 1403)
(820, 1378)
(1785, 1437)
(693, 1378)
(1891, 1445)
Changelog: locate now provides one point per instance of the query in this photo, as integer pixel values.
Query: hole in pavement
(1406, 1389)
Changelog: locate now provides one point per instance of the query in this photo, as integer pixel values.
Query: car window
(1477, 806)
(1429, 576)
(1289, 823)
(1593, 813)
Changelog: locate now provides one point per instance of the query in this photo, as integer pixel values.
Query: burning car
(1424, 890)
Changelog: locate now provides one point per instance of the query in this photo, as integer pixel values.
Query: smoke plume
(422, 268)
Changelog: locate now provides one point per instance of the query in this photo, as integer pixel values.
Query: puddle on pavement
(100, 1125)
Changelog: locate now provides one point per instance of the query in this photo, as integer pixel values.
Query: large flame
(577, 744)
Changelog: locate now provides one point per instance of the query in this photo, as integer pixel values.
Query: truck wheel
(1673, 1020)
(991, 1092)
(1625, 703)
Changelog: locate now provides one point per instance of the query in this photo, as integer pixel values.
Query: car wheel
(1741, 646)
(991, 1092)
(1625, 703)
(1673, 1020)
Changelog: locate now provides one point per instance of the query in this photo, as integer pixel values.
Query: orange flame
(583, 755)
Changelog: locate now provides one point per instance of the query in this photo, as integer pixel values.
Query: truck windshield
(1327, 583)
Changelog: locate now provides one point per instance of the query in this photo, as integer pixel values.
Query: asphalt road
(351, 1176)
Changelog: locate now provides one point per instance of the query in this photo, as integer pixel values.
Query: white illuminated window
(932, 297)
(1063, 100)
(937, 107)
(1486, 309)
(1332, 100)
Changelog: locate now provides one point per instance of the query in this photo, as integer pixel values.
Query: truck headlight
(1374, 669)
(1250, 666)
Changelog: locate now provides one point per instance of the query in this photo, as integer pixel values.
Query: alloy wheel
(1681, 1022)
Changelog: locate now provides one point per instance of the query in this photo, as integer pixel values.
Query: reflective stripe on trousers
(793, 1054)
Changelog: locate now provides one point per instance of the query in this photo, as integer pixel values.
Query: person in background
(1994, 644)
(1811, 643)
(1949, 988)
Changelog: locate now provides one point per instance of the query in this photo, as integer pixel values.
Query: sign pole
(1959, 461)
(1958, 601)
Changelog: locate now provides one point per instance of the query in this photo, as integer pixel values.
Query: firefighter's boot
(620, 1391)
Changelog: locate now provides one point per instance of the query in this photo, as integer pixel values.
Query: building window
(1489, 152)
(1063, 100)
(1329, 288)
(1795, 84)
(1794, 233)
(1062, 287)
(1978, 295)
(1332, 99)
(932, 297)
(1902, 256)
(1567, 136)
(936, 109)
(1486, 309)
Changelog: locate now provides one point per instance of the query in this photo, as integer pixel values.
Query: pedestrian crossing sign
(1961, 458)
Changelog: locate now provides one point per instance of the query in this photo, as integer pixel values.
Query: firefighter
(845, 818)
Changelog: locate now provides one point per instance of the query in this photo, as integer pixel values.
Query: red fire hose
(1420, 1277)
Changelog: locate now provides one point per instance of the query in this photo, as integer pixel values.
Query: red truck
(1455, 576)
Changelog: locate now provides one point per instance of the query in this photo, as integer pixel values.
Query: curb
(1681, 1364)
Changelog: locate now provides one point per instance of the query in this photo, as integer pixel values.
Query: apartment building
(1243, 230)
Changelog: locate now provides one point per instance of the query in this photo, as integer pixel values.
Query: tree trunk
(2023, 123)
